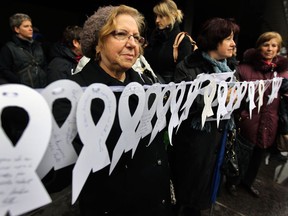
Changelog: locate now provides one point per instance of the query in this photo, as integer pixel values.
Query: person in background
(65, 54)
(46, 44)
(260, 63)
(159, 50)
(22, 60)
(138, 186)
(194, 153)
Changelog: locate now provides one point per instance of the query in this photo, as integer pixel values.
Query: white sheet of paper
(232, 100)
(251, 95)
(241, 92)
(261, 89)
(221, 96)
(177, 96)
(21, 189)
(192, 94)
(225, 76)
(145, 126)
(276, 84)
(94, 154)
(162, 108)
(209, 94)
(60, 152)
(129, 139)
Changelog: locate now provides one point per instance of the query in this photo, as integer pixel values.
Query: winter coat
(21, 62)
(159, 52)
(194, 152)
(261, 129)
(138, 186)
(24, 62)
(283, 109)
(63, 63)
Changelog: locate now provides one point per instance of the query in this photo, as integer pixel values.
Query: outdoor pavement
(272, 182)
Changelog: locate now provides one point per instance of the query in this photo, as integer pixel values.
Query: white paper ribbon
(20, 188)
(94, 154)
(129, 139)
(60, 152)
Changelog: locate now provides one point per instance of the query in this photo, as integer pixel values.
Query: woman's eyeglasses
(124, 35)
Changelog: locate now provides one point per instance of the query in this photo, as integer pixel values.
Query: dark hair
(69, 34)
(214, 31)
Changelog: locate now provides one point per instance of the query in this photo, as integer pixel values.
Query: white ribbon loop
(162, 108)
(20, 188)
(251, 94)
(129, 139)
(176, 101)
(276, 84)
(191, 95)
(145, 126)
(94, 154)
(241, 92)
(261, 90)
(209, 94)
(60, 152)
(222, 96)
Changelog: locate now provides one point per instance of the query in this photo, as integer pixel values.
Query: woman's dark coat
(136, 187)
(159, 52)
(63, 63)
(194, 152)
(23, 62)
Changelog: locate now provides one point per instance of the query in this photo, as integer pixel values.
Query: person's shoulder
(193, 60)
(136, 76)
(282, 63)
(7, 48)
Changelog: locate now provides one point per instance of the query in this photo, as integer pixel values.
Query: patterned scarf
(218, 66)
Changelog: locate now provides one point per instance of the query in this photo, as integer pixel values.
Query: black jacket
(195, 150)
(159, 52)
(23, 62)
(63, 63)
(136, 187)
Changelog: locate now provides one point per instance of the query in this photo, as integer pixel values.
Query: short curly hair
(102, 23)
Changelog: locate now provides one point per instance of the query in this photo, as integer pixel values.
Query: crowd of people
(159, 180)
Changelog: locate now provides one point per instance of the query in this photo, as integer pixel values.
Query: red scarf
(78, 57)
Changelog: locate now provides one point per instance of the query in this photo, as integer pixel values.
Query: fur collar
(254, 58)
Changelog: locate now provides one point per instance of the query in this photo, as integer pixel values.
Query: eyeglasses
(124, 35)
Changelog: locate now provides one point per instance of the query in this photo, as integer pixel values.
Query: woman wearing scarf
(195, 149)
(261, 63)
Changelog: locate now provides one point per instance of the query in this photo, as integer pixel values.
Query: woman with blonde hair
(159, 52)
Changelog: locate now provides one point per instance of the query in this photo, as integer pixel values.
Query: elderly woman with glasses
(138, 185)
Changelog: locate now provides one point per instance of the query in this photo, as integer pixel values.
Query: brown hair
(214, 31)
(98, 26)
